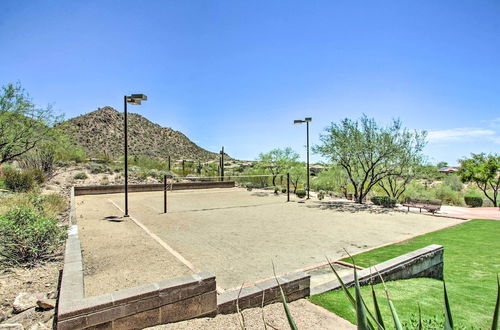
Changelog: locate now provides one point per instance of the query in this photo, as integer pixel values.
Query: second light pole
(307, 120)
(134, 99)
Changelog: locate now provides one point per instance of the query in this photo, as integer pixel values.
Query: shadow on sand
(350, 207)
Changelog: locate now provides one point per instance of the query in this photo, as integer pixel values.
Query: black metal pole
(222, 165)
(308, 172)
(288, 187)
(183, 170)
(164, 194)
(169, 163)
(126, 154)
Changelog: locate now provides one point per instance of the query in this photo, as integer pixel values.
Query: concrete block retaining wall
(294, 286)
(114, 189)
(425, 262)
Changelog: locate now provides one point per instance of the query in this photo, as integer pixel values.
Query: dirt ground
(306, 315)
(117, 253)
(40, 279)
(232, 233)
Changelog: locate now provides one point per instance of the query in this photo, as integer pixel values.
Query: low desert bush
(276, 190)
(283, 190)
(377, 200)
(453, 181)
(96, 168)
(49, 205)
(80, 176)
(27, 237)
(17, 180)
(321, 195)
(473, 200)
(301, 193)
(448, 196)
(388, 202)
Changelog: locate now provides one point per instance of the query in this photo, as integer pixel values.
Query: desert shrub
(104, 181)
(80, 176)
(283, 190)
(2, 183)
(49, 205)
(37, 175)
(276, 190)
(27, 237)
(453, 181)
(473, 200)
(377, 200)
(301, 193)
(448, 196)
(96, 168)
(321, 195)
(41, 162)
(388, 202)
(18, 181)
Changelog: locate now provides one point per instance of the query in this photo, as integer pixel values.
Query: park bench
(431, 205)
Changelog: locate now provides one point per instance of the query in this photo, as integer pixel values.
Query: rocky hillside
(100, 133)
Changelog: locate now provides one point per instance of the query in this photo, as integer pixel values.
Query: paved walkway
(471, 213)
(464, 213)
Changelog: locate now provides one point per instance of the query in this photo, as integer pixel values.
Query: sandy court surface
(306, 315)
(235, 234)
(117, 254)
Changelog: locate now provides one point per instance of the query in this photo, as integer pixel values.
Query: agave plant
(369, 321)
(373, 321)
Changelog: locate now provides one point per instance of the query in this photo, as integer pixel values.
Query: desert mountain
(101, 133)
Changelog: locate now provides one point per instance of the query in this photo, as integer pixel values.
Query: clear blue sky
(237, 73)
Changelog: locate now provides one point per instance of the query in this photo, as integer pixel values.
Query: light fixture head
(298, 121)
(141, 97)
(308, 119)
(133, 101)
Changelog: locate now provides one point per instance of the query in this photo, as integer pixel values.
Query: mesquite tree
(484, 170)
(23, 126)
(369, 153)
(277, 161)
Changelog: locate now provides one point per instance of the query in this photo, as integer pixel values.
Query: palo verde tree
(369, 153)
(277, 161)
(484, 171)
(23, 125)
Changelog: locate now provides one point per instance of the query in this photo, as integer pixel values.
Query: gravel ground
(306, 315)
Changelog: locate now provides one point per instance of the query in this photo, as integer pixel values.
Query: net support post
(288, 187)
(164, 193)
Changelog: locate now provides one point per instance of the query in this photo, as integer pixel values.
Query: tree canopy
(23, 125)
(277, 161)
(370, 153)
(484, 171)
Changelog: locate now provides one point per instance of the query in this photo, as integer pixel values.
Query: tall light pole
(134, 99)
(307, 120)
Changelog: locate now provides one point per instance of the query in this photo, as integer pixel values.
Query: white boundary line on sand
(167, 247)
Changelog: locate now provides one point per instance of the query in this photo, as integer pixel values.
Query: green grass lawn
(471, 264)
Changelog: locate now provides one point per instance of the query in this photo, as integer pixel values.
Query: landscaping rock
(39, 326)
(46, 303)
(26, 300)
(27, 315)
(11, 326)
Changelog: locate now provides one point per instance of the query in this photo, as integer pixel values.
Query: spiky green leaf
(448, 322)
(377, 309)
(494, 325)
